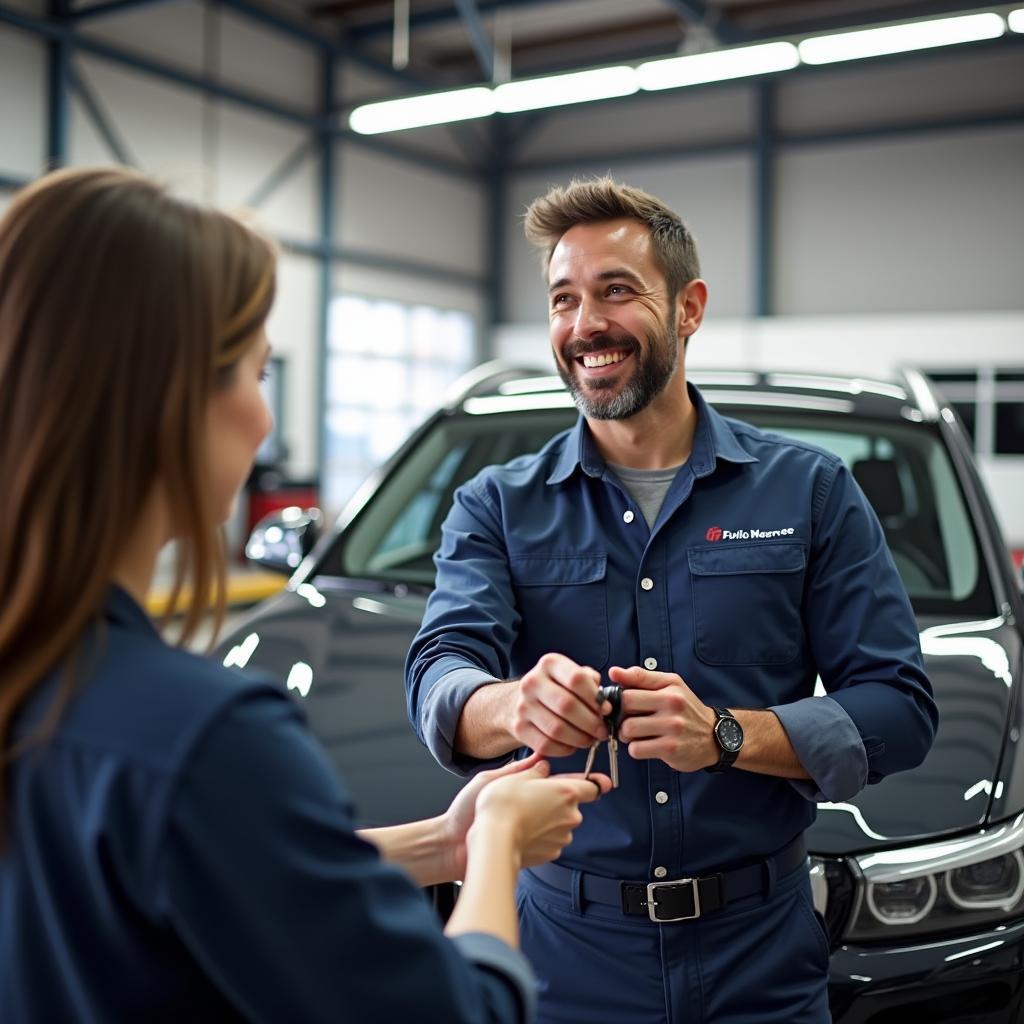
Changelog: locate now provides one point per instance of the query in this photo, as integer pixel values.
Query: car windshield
(904, 470)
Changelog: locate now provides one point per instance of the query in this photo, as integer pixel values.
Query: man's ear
(690, 304)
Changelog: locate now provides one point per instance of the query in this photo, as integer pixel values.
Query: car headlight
(941, 888)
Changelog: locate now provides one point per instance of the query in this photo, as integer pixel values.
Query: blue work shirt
(179, 849)
(765, 567)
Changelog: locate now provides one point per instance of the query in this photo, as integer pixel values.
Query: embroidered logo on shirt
(717, 533)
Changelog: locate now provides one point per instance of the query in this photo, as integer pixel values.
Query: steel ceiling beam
(854, 20)
(101, 10)
(696, 12)
(481, 42)
(436, 16)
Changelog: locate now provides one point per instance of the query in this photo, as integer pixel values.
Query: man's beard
(654, 369)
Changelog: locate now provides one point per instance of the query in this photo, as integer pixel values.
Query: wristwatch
(729, 736)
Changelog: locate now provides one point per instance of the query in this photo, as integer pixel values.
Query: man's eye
(618, 289)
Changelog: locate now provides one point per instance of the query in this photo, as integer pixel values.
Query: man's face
(612, 320)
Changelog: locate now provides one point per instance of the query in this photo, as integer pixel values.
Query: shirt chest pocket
(563, 605)
(746, 603)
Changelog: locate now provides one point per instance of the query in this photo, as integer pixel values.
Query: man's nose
(590, 319)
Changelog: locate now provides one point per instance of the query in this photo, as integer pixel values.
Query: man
(600, 559)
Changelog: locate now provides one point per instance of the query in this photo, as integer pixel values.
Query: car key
(612, 694)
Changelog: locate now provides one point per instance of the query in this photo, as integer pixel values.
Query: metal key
(612, 694)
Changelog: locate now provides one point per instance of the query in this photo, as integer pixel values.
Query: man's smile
(594, 360)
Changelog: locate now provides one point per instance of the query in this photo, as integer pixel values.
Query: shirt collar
(713, 440)
(122, 609)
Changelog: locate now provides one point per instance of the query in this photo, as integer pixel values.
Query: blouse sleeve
(288, 912)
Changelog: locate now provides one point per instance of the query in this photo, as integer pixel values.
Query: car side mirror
(281, 540)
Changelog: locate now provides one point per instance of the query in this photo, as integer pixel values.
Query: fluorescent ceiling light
(740, 62)
(1015, 19)
(417, 111)
(920, 35)
(558, 90)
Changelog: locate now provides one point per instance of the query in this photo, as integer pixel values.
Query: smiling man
(711, 570)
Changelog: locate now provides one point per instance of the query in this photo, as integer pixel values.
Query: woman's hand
(457, 820)
(520, 818)
(540, 810)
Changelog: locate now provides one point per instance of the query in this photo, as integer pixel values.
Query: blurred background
(857, 197)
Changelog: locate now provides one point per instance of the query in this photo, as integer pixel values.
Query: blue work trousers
(761, 960)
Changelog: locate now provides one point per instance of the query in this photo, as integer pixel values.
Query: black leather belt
(681, 899)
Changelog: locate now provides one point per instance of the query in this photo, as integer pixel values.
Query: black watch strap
(726, 724)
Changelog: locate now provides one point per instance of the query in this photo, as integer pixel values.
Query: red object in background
(1018, 557)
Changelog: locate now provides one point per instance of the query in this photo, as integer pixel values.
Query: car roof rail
(926, 397)
(485, 379)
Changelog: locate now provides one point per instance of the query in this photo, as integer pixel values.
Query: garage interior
(866, 211)
(856, 216)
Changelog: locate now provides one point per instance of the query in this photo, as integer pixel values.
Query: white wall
(22, 103)
(874, 222)
(926, 223)
(396, 208)
(714, 196)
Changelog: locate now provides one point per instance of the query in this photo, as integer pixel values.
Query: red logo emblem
(714, 533)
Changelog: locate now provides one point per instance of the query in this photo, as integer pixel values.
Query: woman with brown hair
(174, 843)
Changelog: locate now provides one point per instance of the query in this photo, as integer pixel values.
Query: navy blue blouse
(180, 849)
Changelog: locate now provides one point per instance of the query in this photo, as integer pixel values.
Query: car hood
(974, 668)
(340, 648)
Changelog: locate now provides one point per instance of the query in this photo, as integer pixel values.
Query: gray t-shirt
(647, 487)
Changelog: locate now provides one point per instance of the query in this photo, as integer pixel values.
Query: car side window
(907, 476)
(394, 536)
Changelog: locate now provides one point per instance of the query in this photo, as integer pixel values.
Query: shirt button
(661, 796)
(627, 516)
(660, 872)
(647, 583)
(650, 664)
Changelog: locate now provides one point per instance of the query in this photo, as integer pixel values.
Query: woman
(175, 845)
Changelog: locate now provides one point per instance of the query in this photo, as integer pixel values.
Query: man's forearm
(484, 728)
(767, 749)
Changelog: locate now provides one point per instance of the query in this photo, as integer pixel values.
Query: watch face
(729, 734)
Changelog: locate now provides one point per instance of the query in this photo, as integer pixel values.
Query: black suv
(921, 878)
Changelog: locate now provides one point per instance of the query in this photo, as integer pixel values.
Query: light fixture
(559, 90)
(675, 72)
(918, 35)
(418, 111)
(717, 66)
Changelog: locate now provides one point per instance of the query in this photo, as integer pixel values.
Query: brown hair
(122, 310)
(602, 199)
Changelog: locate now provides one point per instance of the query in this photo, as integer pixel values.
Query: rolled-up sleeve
(468, 627)
(829, 747)
(865, 642)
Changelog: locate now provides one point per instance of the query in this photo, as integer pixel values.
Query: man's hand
(663, 718)
(555, 710)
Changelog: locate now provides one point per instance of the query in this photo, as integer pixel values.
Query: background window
(389, 365)
(990, 401)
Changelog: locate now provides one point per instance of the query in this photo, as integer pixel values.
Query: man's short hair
(597, 200)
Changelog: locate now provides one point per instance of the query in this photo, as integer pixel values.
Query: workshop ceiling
(457, 41)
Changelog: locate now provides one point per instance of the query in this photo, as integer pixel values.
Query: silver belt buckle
(653, 887)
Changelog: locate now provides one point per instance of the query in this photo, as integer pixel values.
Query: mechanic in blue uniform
(713, 571)
(173, 843)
